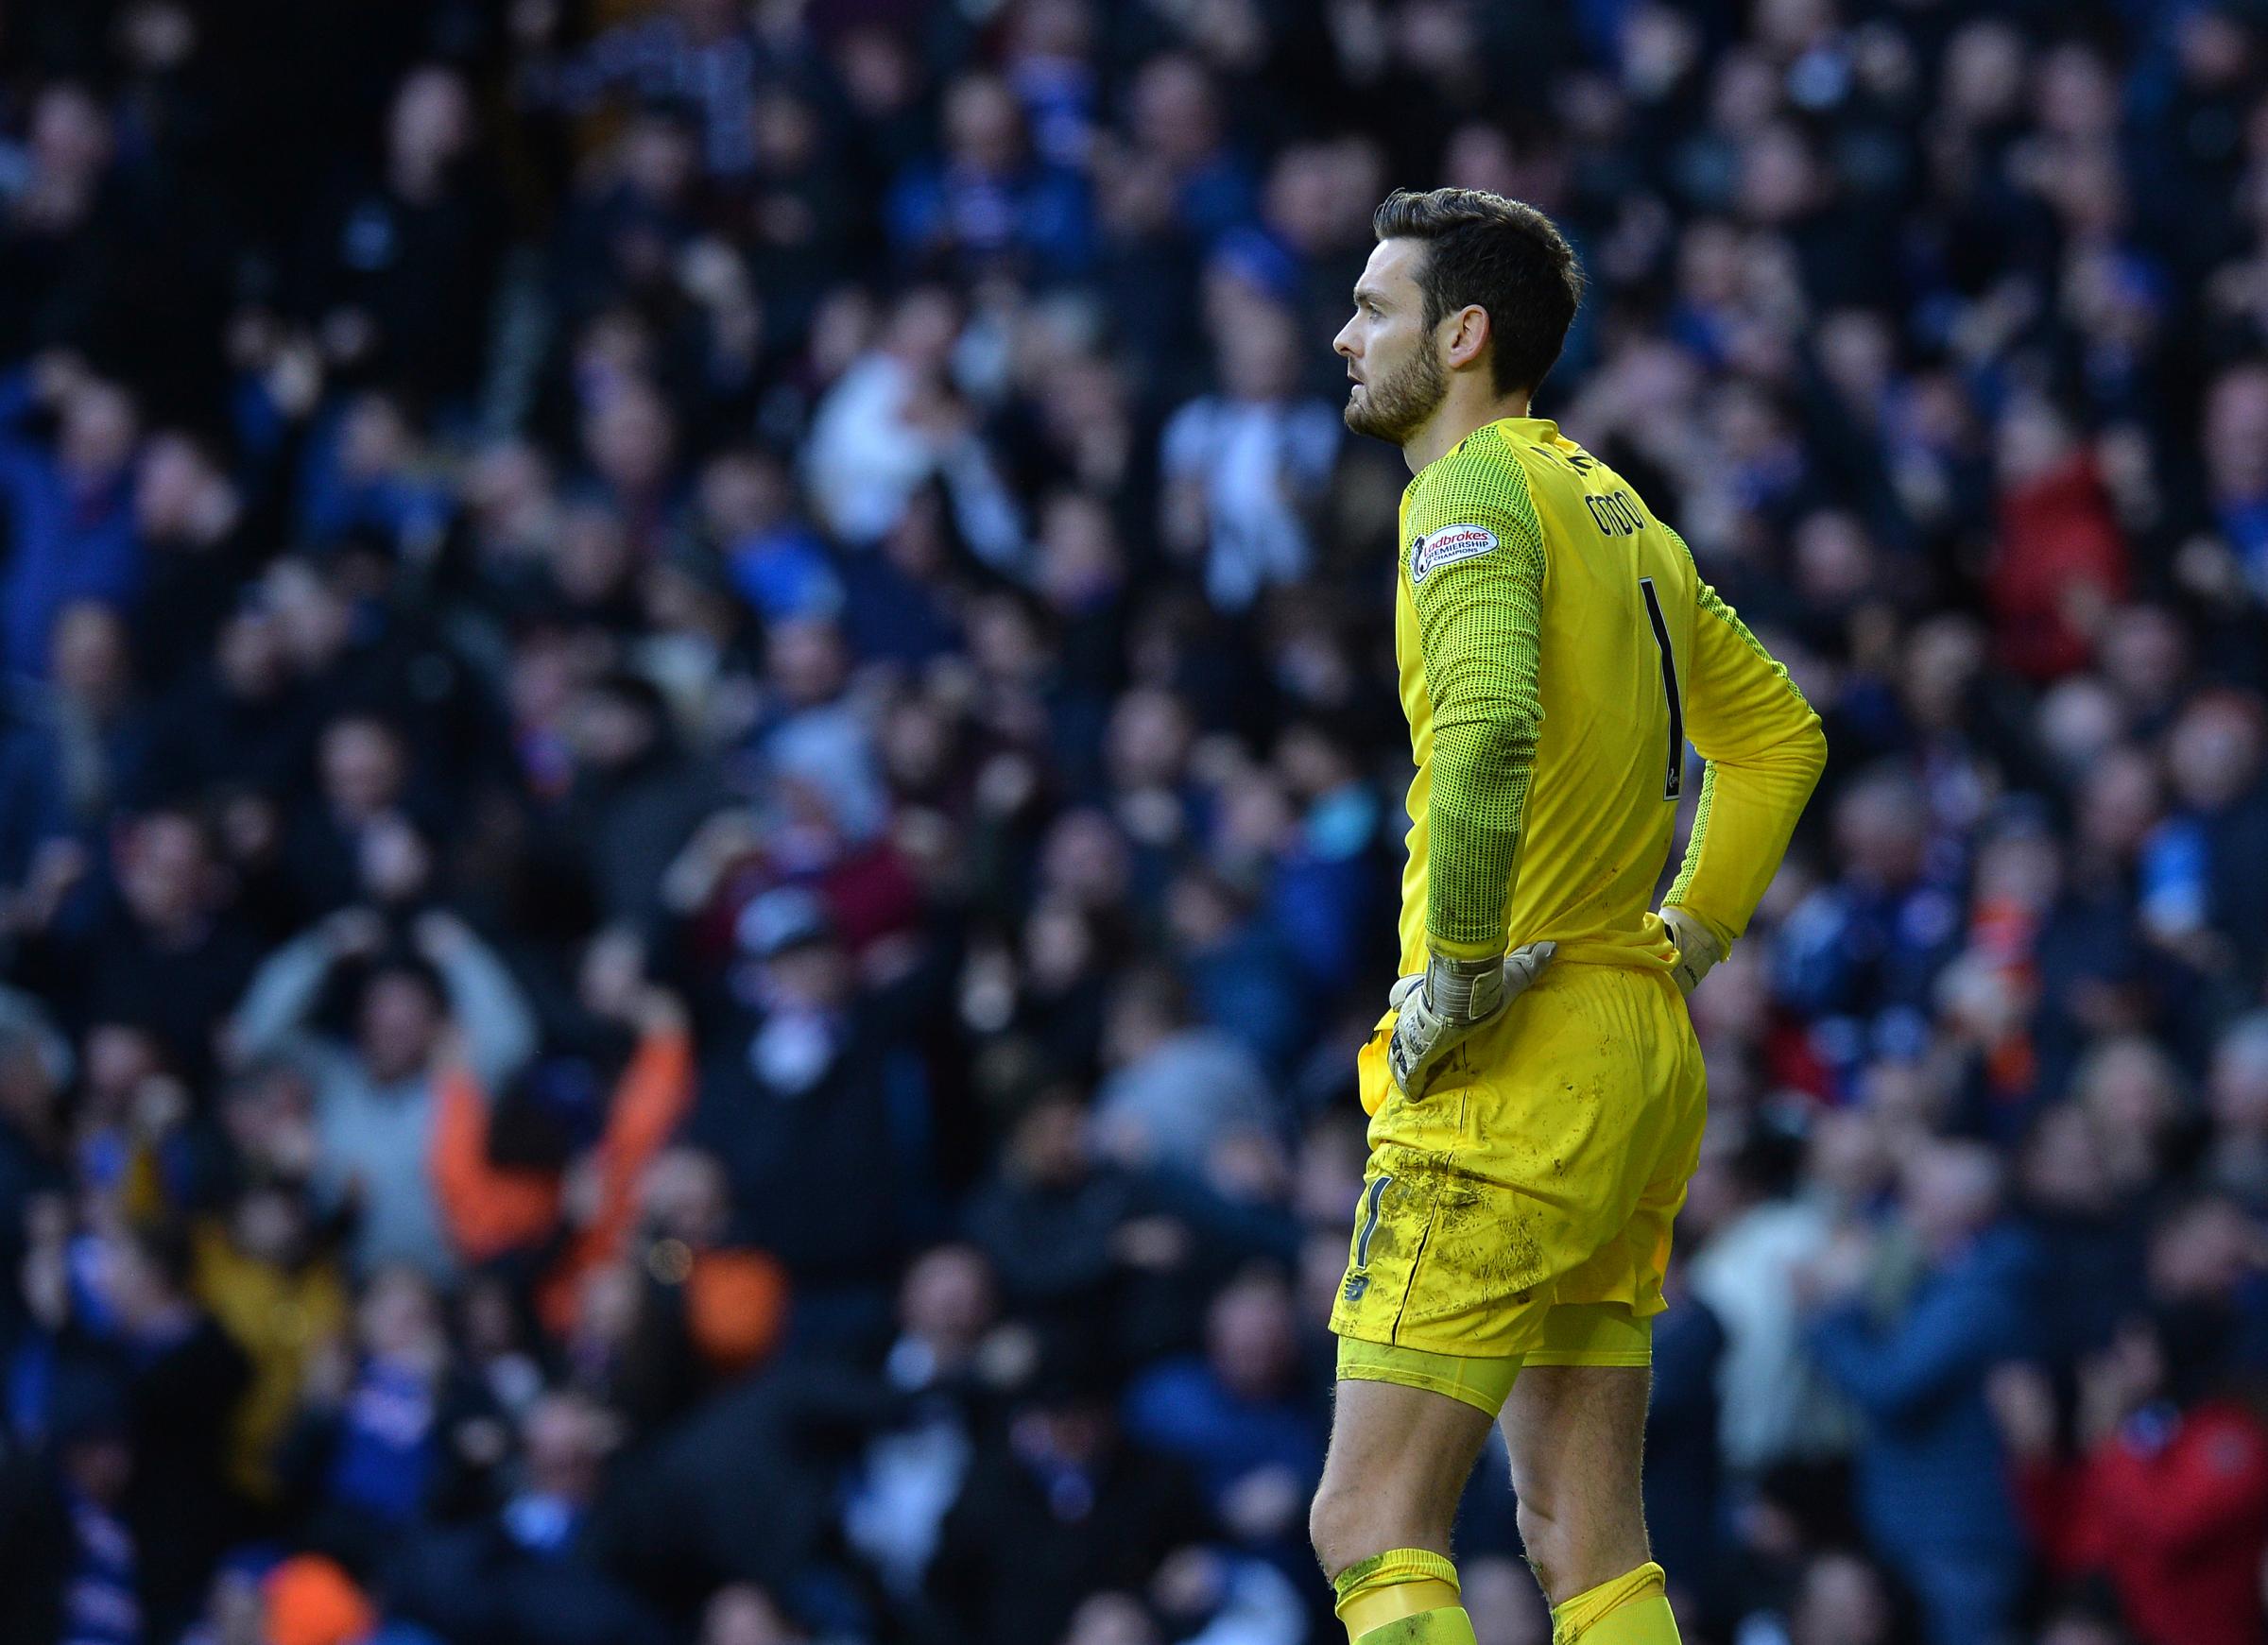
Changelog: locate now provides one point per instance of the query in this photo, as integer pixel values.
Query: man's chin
(1360, 420)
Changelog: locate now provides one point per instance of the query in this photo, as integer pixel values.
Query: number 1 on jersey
(1676, 780)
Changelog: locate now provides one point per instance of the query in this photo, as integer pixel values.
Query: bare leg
(1397, 1463)
(1577, 1435)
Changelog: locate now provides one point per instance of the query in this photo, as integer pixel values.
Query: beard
(1394, 408)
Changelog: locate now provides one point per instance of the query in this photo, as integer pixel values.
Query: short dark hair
(1504, 256)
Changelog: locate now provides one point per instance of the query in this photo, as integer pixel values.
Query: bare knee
(1545, 1538)
(1575, 1550)
(1329, 1526)
(1397, 1464)
(1349, 1523)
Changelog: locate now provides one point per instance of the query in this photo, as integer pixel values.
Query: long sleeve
(499, 1029)
(1764, 752)
(284, 990)
(487, 1211)
(650, 1101)
(1893, 1372)
(1476, 570)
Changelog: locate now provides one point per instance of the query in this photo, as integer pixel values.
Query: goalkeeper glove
(1449, 1000)
(1698, 949)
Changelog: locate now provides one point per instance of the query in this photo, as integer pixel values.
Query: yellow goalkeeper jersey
(1558, 650)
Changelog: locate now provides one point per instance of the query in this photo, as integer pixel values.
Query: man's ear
(1469, 335)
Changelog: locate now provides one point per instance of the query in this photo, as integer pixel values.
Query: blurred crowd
(700, 801)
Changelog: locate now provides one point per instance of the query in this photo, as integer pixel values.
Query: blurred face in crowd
(2062, 1166)
(1983, 74)
(251, 656)
(2074, 95)
(99, 1465)
(1778, 179)
(742, 493)
(631, 438)
(1834, 562)
(362, 768)
(1079, 563)
(375, 439)
(2034, 439)
(565, 1438)
(611, 730)
(984, 129)
(2238, 1080)
(1393, 356)
(1110, 1618)
(399, 1022)
(948, 1299)
(1878, 827)
(2214, 754)
(2146, 654)
(744, 1614)
(70, 135)
(2022, 867)
(2079, 720)
(1248, 1338)
(2202, 1252)
(2236, 434)
(811, 976)
(88, 656)
(1049, 1146)
(27, 1084)
(164, 870)
(431, 123)
(1147, 744)
(2082, 1628)
(269, 1115)
(659, 159)
(2132, 1092)
(707, 20)
(179, 492)
(1258, 353)
(1840, 1602)
(807, 661)
(269, 1225)
(96, 438)
(1058, 946)
(135, 1284)
(922, 328)
(119, 1057)
(508, 490)
(1173, 114)
(2119, 803)
(399, 1319)
(1949, 1192)
(687, 1197)
(1201, 911)
(591, 557)
(311, 618)
(1085, 860)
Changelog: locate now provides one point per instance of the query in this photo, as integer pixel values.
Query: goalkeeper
(1536, 1090)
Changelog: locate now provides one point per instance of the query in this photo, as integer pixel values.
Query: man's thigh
(1577, 1436)
(1397, 1463)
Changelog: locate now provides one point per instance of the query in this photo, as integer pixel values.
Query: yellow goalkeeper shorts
(1541, 1169)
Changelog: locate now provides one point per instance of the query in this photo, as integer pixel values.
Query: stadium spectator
(1930, 1481)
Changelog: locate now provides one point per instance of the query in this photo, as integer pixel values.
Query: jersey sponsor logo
(1447, 546)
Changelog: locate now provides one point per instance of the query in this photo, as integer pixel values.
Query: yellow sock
(1405, 1596)
(1633, 1609)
